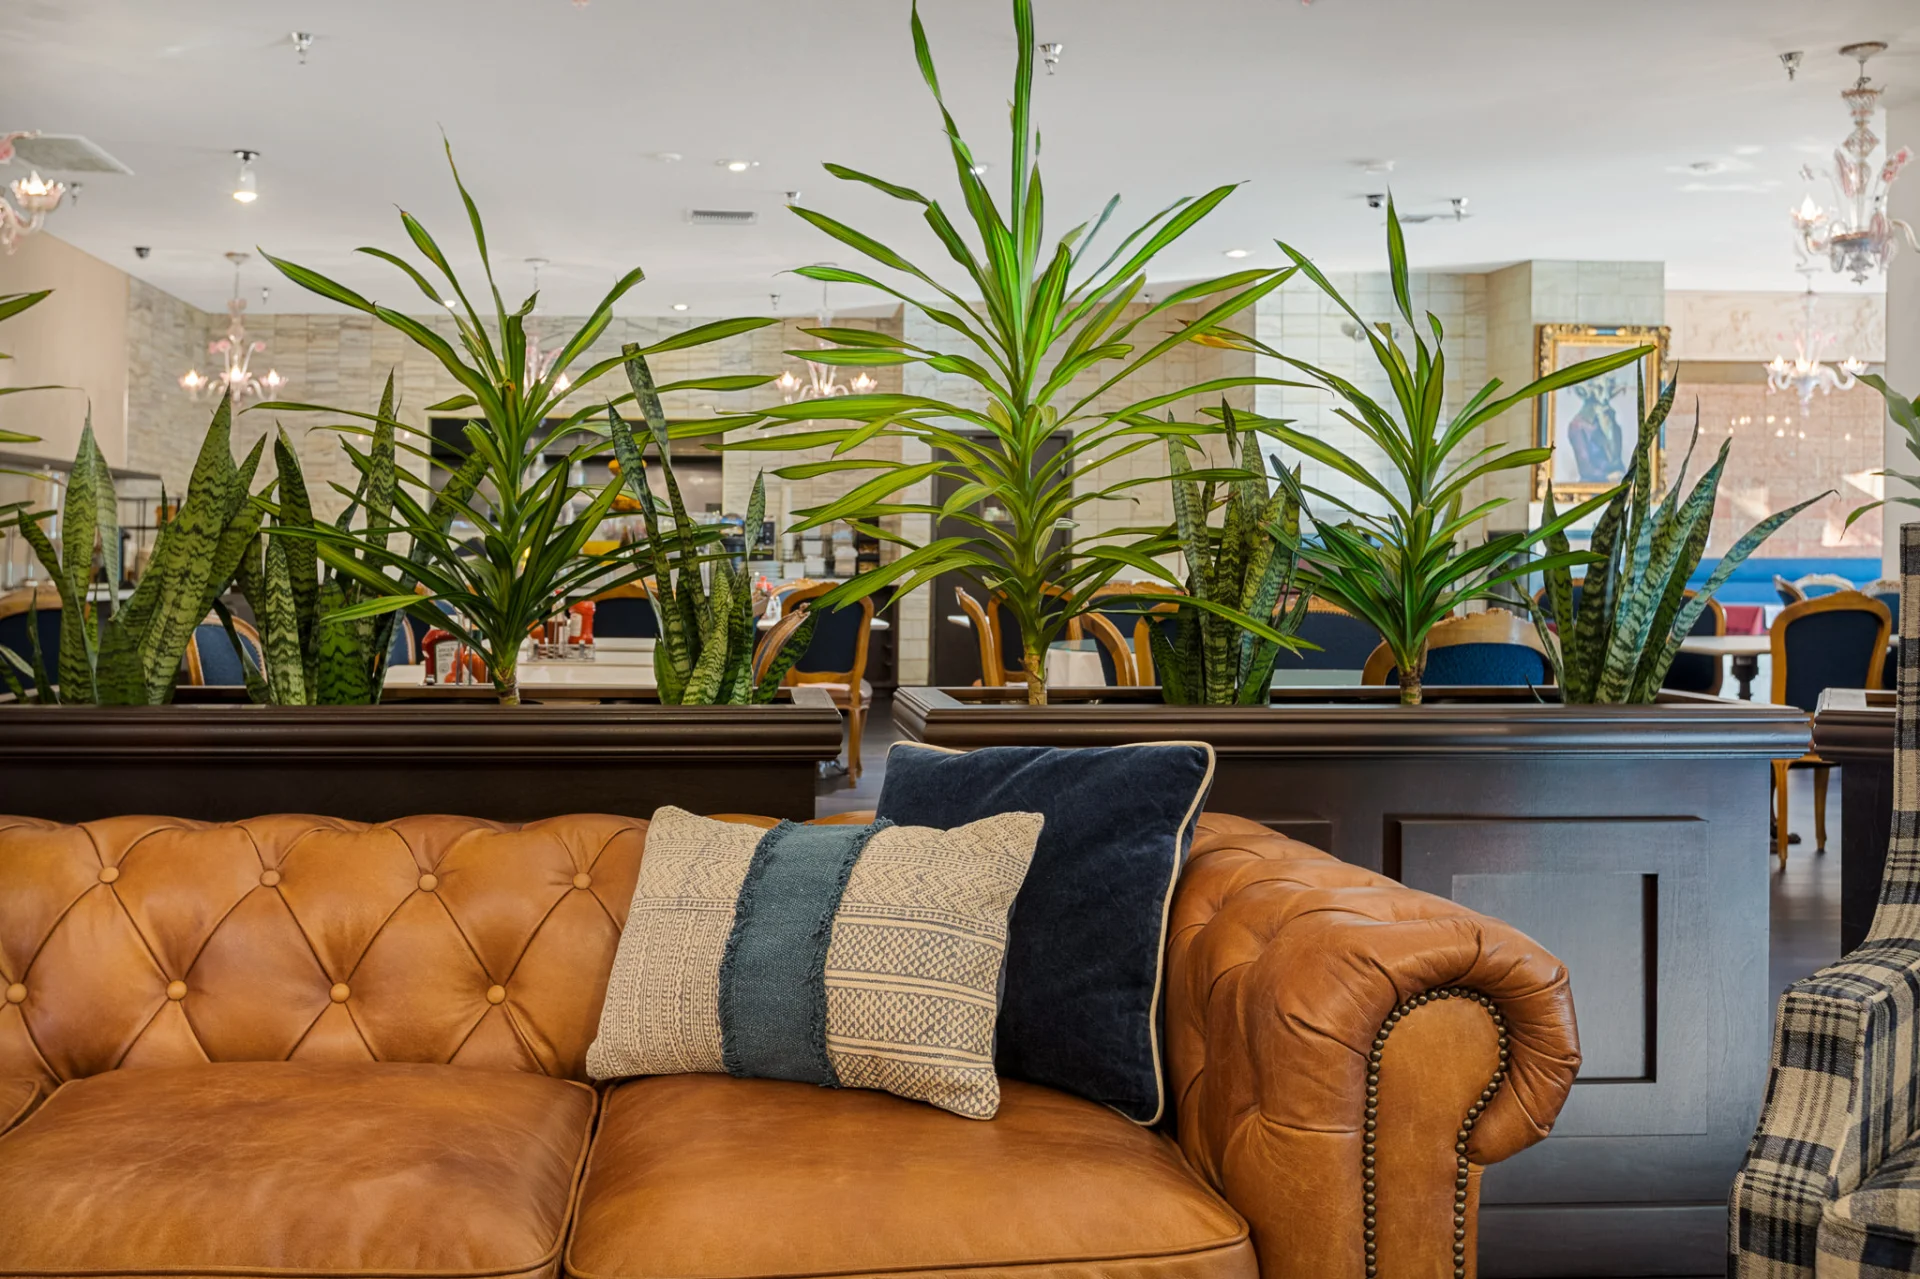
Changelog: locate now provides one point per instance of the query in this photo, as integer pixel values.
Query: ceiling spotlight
(668, 157)
(142, 250)
(1050, 54)
(979, 170)
(449, 303)
(679, 306)
(1238, 253)
(302, 41)
(1791, 61)
(737, 166)
(245, 184)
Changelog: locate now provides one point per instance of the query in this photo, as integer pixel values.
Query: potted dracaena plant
(1399, 559)
(524, 553)
(1048, 334)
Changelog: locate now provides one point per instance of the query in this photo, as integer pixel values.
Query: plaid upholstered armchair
(1831, 1183)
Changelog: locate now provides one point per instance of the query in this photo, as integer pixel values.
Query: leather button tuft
(16, 994)
(429, 882)
(583, 880)
(268, 878)
(496, 994)
(109, 873)
(339, 993)
(176, 990)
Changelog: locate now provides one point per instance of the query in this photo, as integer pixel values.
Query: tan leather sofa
(299, 1046)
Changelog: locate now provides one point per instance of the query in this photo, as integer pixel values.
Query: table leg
(1745, 667)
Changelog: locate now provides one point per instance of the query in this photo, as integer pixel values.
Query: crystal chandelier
(235, 352)
(1857, 237)
(33, 198)
(821, 383)
(1805, 373)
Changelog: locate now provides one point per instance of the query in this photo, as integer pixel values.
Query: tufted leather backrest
(145, 941)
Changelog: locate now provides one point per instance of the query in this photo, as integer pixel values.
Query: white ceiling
(1570, 127)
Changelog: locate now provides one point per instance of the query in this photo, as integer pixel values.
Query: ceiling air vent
(722, 217)
(66, 153)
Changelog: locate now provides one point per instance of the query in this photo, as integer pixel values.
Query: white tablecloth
(1074, 668)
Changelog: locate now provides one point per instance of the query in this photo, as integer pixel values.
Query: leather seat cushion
(710, 1177)
(253, 1168)
(17, 1097)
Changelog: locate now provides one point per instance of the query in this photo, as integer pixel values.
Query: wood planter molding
(374, 763)
(1630, 840)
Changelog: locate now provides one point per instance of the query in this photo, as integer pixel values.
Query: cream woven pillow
(848, 956)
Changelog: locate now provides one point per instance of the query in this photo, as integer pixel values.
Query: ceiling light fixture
(235, 352)
(1805, 373)
(679, 306)
(302, 41)
(246, 185)
(1050, 54)
(1239, 253)
(33, 198)
(1857, 237)
(821, 384)
(737, 166)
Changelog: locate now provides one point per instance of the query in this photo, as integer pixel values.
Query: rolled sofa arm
(1347, 1053)
(18, 1097)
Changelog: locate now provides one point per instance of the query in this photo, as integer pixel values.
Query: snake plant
(1247, 561)
(1401, 563)
(132, 655)
(704, 655)
(1049, 335)
(312, 659)
(1617, 644)
(527, 557)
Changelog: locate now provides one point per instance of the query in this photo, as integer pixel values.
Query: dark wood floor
(1806, 895)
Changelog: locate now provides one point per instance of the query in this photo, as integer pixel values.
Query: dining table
(1744, 650)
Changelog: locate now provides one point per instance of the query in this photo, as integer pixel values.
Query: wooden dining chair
(1009, 643)
(38, 606)
(992, 674)
(836, 659)
(211, 659)
(772, 640)
(1887, 591)
(1788, 592)
(1494, 648)
(1700, 672)
(1116, 652)
(1342, 641)
(1135, 622)
(1831, 641)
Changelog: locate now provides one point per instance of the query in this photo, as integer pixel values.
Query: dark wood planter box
(372, 763)
(1854, 728)
(1629, 840)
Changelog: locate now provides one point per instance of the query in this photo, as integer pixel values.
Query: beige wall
(77, 338)
(1903, 341)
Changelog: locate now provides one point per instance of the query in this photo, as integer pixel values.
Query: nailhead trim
(1460, 1139)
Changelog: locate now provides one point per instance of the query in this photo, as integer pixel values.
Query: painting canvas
(1592, 426)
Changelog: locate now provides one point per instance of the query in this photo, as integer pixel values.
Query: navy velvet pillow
(1081, 1010)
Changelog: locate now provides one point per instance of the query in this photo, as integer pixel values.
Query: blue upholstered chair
(1831, 1181)
(1836, 641)
(211, 657)
(1788, 592)
(1345, 641)
(1494, 648)
(1700, 672)
(625, 612)
(39, 606)
(992, 673)
(1814, 585)
(835, 660)
(1008, 642)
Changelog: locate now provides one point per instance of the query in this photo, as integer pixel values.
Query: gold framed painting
(1592, 426)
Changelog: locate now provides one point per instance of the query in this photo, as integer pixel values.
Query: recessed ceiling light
(668, 157)
(978, 169)
(679, 306)
(737, 166)
(1238, 253)
(449, 303)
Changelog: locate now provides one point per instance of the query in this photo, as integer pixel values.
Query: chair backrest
(211, 657)
(1135, 619)
(1540, 598)
(625, 612)
(1789, 592)
(837, 653)
(773, 639)
(1008, 641)
(1345, 641)
(1813, 585)
(1492, 648)
(151, 941)
(1700, 672)
(1836, 641)
(992, 674)
(39, 606)
(403, 649)
(1116, 653)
